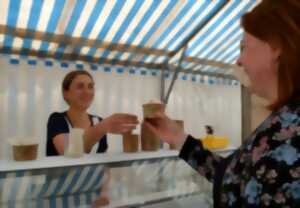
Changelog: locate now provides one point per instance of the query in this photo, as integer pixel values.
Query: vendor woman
(78, 89)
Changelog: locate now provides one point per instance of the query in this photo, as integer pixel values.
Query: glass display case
(142, 179)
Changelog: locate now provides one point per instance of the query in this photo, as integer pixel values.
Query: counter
(88, 159)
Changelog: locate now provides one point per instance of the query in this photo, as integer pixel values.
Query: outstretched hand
(119, 123)
(166, 129)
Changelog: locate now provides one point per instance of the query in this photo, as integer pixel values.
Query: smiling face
(260, 62)
(80, 93)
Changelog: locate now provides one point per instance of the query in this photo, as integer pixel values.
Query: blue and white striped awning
(145, 33)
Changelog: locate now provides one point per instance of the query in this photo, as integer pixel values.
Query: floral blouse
(264, 172)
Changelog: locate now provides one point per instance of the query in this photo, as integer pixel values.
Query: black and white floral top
(264, 172)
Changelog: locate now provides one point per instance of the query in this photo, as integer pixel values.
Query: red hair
(277, 22)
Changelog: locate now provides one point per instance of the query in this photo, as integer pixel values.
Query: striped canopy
(203, 34)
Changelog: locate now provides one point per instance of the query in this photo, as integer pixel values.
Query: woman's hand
(119, 123)
(166, 129)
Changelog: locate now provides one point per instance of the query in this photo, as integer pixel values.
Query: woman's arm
(277, 176)
(57, 127)
(59, 143)
(116, 124)
(192, 151)
(119, 123)
(92, 135)
(202, 160)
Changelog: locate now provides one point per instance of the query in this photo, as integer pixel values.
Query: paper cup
(150, 109)
(25, 152)
(74, 143)
(150, 142)
(130, 142)
(180, 123)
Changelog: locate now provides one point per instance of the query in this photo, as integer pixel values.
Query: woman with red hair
(265, 170)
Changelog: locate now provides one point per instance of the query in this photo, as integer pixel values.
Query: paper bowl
(24, 149)
(25, 152)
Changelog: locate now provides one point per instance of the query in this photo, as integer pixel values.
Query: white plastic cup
(74, 143)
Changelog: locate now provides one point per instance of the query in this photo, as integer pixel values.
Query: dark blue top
(58, 124)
